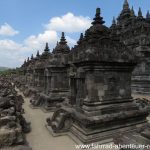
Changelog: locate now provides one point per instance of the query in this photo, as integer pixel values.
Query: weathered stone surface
(100, 87)
(134, 32)
(12, 123)
(89, 86)
(46, 77)
(11, 136)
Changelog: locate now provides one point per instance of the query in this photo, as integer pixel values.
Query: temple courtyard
(95, 93)
(40, 138)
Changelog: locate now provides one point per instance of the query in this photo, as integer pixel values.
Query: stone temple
(134, 32)
(89, 87)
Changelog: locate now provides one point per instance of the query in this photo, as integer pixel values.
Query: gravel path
(39, 138)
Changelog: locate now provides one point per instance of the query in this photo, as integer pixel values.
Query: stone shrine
(46, 76)
(102, 104)
(134, 32)
(56, 73)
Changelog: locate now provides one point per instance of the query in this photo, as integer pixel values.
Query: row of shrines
(130, 29)
(90, 85)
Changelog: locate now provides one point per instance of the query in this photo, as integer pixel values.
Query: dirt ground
(39, 138)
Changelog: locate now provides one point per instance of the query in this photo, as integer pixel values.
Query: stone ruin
(134, 32)
(101, 104)
(13, 125)
(46, 77)
(89, 86)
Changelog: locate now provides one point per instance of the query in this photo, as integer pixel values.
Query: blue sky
(25, 25)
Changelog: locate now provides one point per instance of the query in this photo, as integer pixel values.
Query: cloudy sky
(26, 25)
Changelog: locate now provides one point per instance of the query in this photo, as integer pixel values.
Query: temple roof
(97, 30)
(38, 54)
(129, 25)
(31, 56)
(80, 39)
(125, 13)
(113, 23)
(148, 14)
(98, 19)
(98, 45)
(62, 46)
(140, 16)
(132, 13)
(42, 60)
(46, 48)
(46, 52)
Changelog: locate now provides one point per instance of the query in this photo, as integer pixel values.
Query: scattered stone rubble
(13, 125)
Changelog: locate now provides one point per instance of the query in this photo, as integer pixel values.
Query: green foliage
(3, 68)
(7, 72)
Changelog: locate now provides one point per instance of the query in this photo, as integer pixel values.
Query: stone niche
(101, 104)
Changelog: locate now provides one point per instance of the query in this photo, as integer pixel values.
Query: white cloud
(13, 54)
(7, 30)
(38, 41)
(69, 23)
(71, 42)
